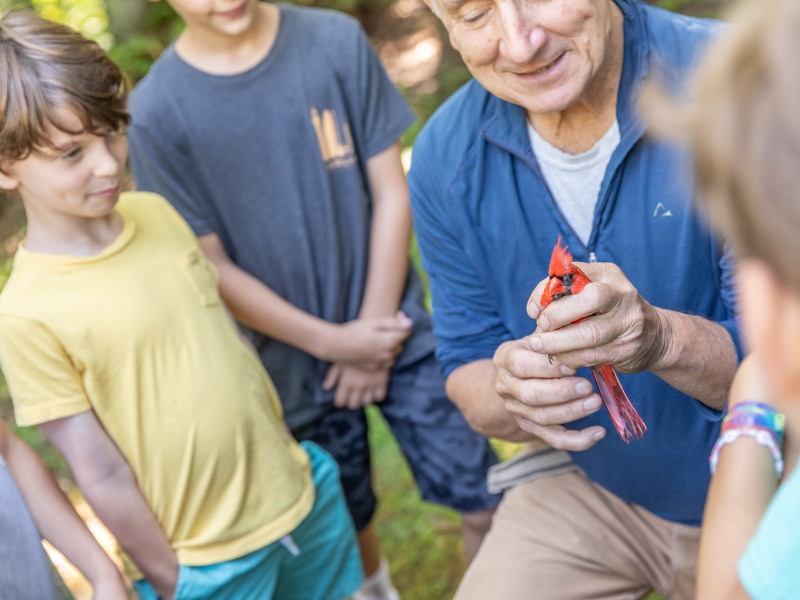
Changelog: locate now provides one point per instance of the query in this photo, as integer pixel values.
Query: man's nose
(521, 37)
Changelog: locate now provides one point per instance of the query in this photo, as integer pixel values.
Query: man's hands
(620, 327)
(535, 376)
(542, 396)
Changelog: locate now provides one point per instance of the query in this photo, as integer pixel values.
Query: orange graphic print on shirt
(335, 140)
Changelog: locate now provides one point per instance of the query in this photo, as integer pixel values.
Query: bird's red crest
(560, 260)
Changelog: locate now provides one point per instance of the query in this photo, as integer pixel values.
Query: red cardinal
(567, 279)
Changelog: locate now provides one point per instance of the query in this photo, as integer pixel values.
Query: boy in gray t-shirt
(273, 130)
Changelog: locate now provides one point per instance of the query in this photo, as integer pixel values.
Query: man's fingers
(571, 439)
(585, 339)
(553, 412)
(534, 306)
(560, 438)
(515, 359)
(569, 309)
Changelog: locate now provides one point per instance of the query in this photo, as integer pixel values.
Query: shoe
(378, 586)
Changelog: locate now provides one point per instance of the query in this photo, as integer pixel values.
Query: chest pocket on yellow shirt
(202, 275)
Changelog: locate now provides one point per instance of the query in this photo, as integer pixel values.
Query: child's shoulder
(144, 207)
(142, 202)
(324, 24)
(152, 213)
(313, 16)
(150, 89)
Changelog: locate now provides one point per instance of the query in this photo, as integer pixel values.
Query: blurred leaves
(87, 16)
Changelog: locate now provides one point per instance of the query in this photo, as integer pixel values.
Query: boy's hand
(356, 387)
(373, 342)
(111, 588)
(166, 590)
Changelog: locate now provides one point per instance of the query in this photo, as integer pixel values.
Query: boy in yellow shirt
(115, 343)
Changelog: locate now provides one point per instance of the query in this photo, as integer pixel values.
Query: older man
(544, 142)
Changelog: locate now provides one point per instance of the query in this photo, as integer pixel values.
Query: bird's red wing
(626, 420)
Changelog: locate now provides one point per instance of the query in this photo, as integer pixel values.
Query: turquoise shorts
(319, 561)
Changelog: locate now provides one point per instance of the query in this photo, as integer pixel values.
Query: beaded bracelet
(762, 436)
(756, 420)
(755, 414)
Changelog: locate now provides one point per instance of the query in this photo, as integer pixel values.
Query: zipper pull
(288, 542)
(592, 256)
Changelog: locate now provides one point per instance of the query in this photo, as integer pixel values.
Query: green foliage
(353, 7)
(137, 52)
(421, 541)
(5, 271)
(674, 5)
(49, 455)
(87, 16)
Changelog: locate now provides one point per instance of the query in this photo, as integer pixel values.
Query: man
(545, 142)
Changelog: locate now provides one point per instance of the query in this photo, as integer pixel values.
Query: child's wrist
(322, 343)
(755, 420)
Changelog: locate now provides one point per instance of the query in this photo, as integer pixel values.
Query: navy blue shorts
(447, 458)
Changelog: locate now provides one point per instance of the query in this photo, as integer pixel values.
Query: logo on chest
(661, 211)
(334, 137)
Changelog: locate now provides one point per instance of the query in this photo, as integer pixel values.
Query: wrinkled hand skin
(541, 397)
(619, 327)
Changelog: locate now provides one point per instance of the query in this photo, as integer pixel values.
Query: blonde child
(746, 137)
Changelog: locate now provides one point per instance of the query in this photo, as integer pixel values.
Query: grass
(422, 541)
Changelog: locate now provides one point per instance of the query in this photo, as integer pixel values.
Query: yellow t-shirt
(138, 334)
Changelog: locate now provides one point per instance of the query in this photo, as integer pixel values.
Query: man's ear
(770, 309)
(7, 179)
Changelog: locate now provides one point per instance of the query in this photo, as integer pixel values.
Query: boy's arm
(387, 270)
(390, 235)
(108, 484)
(375, 341)
(57, 520)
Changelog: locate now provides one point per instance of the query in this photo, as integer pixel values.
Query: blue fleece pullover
(486, 224)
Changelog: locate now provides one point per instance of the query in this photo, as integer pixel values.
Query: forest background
(422, 541)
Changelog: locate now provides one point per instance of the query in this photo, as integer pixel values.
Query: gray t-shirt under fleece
(273, 160)
(575, 179)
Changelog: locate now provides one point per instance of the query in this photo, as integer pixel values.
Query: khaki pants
(565, 538)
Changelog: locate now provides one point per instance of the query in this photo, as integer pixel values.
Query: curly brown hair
(45, 66)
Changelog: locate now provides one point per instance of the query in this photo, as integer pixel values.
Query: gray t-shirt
(273, 161)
